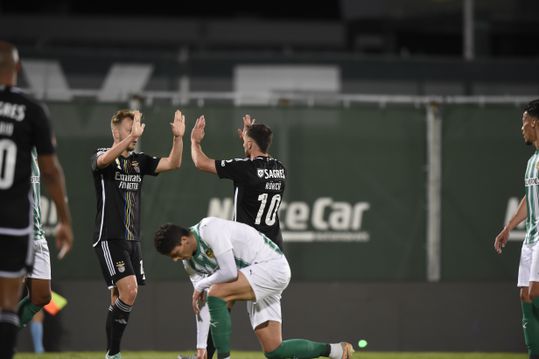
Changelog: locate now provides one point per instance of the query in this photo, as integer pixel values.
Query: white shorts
(528, 269)
(42, 261)
(268, 280)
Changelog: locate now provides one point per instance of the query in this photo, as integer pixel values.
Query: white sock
(335, 351)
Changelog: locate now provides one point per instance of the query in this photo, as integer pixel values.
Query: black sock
(210, 348)
(120, 317)
(108, 326)
(9, 326)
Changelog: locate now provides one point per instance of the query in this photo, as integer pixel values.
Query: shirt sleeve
(41, 131)
(227, 271)
(234, 169)
(148, 164)
(95, 156)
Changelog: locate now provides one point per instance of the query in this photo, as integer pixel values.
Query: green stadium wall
(355, 202)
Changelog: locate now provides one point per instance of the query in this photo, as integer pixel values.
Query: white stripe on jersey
(102, 211)
(535, 192)
(235, 204)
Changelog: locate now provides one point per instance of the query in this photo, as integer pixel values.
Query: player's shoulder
(141, 154)
(20, 103)
(101, 150)
(224, 163)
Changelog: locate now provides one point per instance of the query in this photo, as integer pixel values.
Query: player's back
(23, 125)
(258, 195)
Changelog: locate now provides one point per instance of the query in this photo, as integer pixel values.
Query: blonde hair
(118, 117)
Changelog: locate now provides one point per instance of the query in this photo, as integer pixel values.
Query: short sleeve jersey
(215, 236)
(531, 183)
(118, 191)
(24, 125)
(259, 185)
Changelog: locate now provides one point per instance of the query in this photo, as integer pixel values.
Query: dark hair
(167, 237)
(261, 134)
(532, 108)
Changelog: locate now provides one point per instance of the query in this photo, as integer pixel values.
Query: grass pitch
(258, 355)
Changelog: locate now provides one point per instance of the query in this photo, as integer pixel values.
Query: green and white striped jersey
(531, 182)
(215, 236)
(36, 191)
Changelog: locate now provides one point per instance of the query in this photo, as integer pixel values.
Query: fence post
(434, 191)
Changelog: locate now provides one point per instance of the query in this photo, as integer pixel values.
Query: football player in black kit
(23, 126)
(259, 183)
(118, 174)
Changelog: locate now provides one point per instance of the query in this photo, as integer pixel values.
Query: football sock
(221, 326)
(120, 317)
(530, 325)
(108, 326)
(36, 328)
(9, 325)
(210, 348)
(300, 349)
(27, 310)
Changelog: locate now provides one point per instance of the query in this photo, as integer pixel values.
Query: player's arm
(116, 150)
(174, 159)
(53, 177)
(201, 161)
(227, 272)
(203, 317)
(518, 216)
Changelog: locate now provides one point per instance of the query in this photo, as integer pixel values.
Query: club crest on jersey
(120, 266)
(209, 253)
(136, 166)
(260, 172)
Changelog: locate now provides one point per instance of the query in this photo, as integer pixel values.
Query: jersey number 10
(8, 159)
(272, 209)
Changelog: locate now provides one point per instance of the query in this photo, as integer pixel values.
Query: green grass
(259, 355)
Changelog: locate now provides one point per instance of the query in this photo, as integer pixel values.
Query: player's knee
(129, 296)
(525, 295)
(216, 291)
(41, 300)
(534, 293)
(275, 354)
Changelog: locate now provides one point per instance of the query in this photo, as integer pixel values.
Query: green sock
(530, 325)
(27, 310)
(300, 349)
(221, 326)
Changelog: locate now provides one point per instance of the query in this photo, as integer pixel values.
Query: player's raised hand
(247, 122)
(197, 133)
(138, 128)
(501, 240)
(64, 239)
(178, 126)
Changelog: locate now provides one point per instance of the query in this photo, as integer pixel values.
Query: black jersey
(258, 190)
(23, 125)
(118, 188)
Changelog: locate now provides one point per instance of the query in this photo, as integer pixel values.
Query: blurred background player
(236, 262)
(38, 281)
(118, 174)
(528, 209)
(24, 126)
(259, 184)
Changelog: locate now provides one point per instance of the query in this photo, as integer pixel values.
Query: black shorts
(119, 259)
(16, 255)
